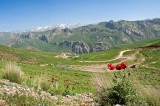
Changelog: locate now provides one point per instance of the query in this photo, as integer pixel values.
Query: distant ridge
(45, 28)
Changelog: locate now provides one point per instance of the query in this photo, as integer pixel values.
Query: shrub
(67, 92)
(13, 73)
(122, 92)
(44, 85)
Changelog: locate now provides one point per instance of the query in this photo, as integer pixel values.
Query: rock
(94, 29)
(100, 47)
(55, 32)
(2, 102)
(26, 36)
(80, 48)
(44, 38)
(77, 47)
(66, 43)
(112, 25)
(14, 42)
(133, 66)
(67, 31)
(54, 43)
(68, 96)
(83, 104)
(90, 95)
(85, 29)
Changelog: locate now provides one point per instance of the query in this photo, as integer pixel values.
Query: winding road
(118, 57)
(104, 67)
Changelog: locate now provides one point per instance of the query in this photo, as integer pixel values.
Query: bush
(13, 73)
(122, 92)
(44, 85)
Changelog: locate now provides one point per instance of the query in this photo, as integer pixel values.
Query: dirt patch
(64, 55)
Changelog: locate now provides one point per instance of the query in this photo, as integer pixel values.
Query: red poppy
(52, 79)
(88, 82)
(74, 84)
(48, 80)
(123, 65)
(110, 66)
(118, 67)
(67, 86)
(41, 78)
(30, 76)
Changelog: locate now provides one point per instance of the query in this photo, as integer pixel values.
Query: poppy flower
(30, 76)
(41, 78)
(74, 84)
(123, 65)
(67, 86)
(48, 80)
(118, 67)
(110, 66)
(52, 79)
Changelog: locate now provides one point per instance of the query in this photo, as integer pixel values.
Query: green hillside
(89, 38)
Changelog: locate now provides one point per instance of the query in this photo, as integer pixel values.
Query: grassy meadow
(39, 69)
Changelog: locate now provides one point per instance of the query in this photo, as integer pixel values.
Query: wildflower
(30, 76)
(118, 67)
(67, 86)
(41, 78)
(52, 79)
(48, 80)
(110, 66)
(74, 84)
(123, 65)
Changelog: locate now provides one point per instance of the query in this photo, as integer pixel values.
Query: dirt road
(104, 67)
(118, 57)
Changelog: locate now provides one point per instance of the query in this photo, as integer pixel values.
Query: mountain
(45, 28)
(89, 38)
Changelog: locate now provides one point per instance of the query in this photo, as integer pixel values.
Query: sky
(25, 14)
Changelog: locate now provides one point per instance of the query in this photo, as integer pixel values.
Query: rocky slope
(9, 89)
(93, 38)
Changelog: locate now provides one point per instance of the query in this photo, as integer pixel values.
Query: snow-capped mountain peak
(61, 26)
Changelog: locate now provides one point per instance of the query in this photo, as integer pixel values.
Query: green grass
(128, 53)
(152, 57)
(99, 56)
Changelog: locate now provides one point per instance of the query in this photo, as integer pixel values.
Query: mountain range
(45, 28)
(83, 39)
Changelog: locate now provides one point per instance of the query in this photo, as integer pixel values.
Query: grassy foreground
(38, 65)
